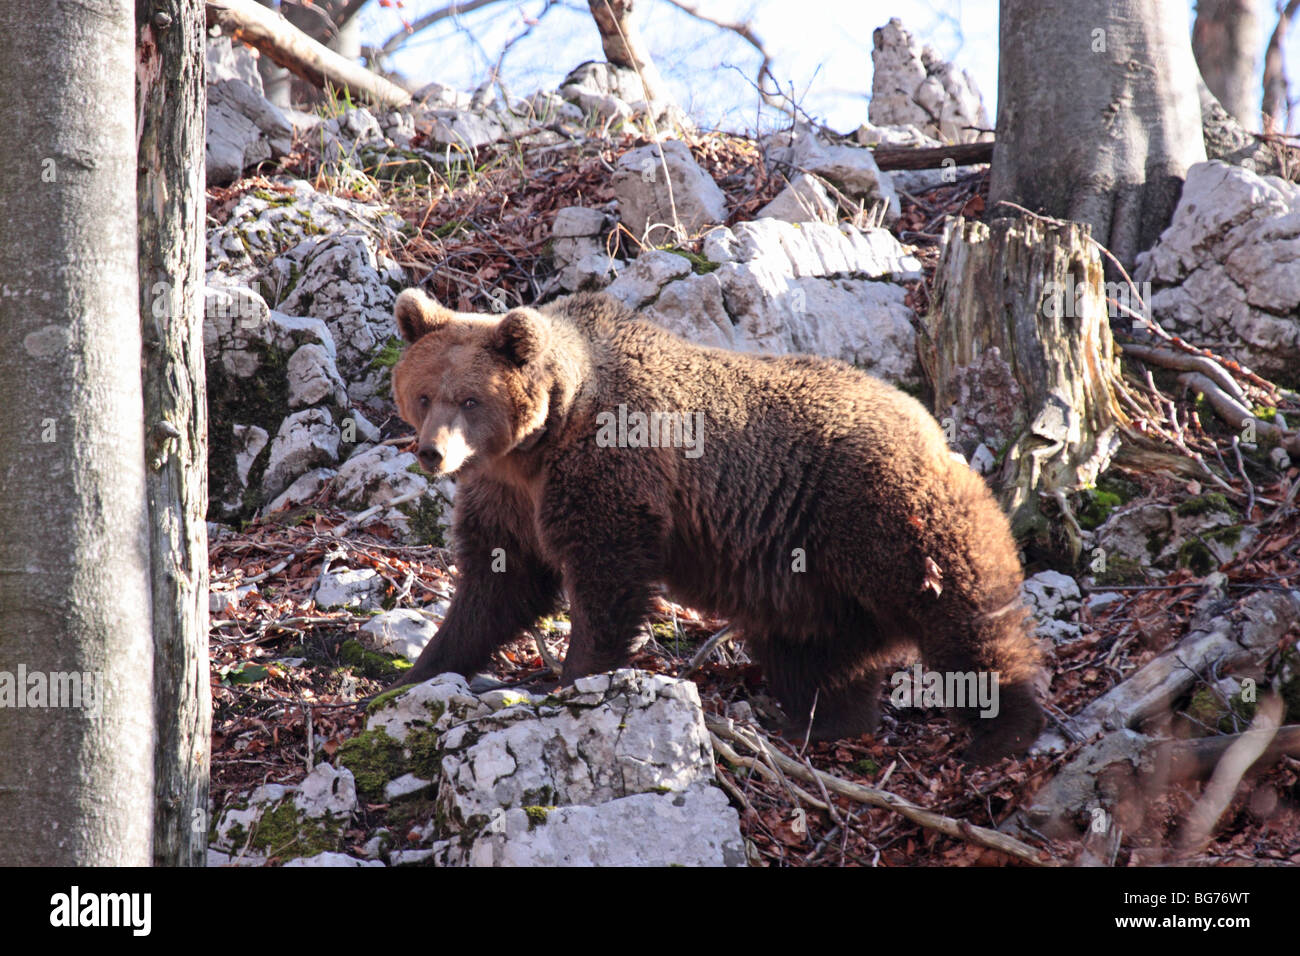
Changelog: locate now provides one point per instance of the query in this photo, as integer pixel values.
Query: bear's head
(475, 387)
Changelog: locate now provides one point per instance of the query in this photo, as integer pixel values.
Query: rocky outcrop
(912, 85)
(781, 288)
(613, 771)
(243, 127)
(851, 169)
(1226, 273)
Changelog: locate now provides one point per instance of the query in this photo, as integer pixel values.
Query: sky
(821, 49)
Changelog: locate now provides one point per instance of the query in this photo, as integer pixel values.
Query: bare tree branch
(288, 46)
(429, 19)
(745, 31)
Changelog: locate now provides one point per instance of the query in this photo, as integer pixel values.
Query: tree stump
(1021, 358)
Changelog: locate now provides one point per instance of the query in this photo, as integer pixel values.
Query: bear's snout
(430, 458)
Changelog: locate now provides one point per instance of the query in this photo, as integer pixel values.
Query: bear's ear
(417, 314)
(520, 336)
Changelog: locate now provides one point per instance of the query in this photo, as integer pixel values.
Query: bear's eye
(469, 403)
(424, 402)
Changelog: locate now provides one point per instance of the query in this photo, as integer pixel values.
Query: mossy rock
(283, 831)
(370, 664)
(1207, 503)
(374, 759)
(1121, 570)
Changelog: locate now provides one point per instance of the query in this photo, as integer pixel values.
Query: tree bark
(1225, 42)
(1098, 114)
(623, 45)
(170, 102)
(275, 37)
(76, 781)
(1021, 358)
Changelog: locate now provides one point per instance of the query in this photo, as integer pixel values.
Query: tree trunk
(1277, 98)
(76, 768)
(1022, 361)
(1225, 42)
(624, 47)
(1098, 114)
(170, 101)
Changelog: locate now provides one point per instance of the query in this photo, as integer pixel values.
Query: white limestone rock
(643, 194)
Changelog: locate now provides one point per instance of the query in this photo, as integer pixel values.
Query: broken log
(1241, 636)
(274, 36)
(904, 157)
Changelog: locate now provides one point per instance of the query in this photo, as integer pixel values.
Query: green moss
(1207, 503)
(235, 836)
(425, 516)
(372, 665)
(450, 228)
(426, 755)
(1206, 708)
(700, 265)
(411, 811)
(274, 198)
(284, 832)
(866, 766)
(1097, 507)
(374, 759)
(537, 816)
(388, 354)
(1196, 553)
(1121, 570)
(385, 700)
(261, 399)
(1196, 557)
(541, 797)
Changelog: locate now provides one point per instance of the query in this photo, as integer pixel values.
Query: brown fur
(798, 453)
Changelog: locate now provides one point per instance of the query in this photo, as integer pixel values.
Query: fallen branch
(358, 519)
(277, 38)
(1236, 414)
(904, 157)
(1185, 362)
(950, 826)
(1197, 759)
(1239, 757)
(705, 650)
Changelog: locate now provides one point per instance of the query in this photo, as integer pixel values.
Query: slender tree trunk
(624, 47)
(76, 780)
(1225, 41)
(1098, 114)
(170, 102)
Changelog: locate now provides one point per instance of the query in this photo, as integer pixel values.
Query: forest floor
(286, 677)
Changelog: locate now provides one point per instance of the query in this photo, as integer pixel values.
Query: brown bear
(817, 508)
